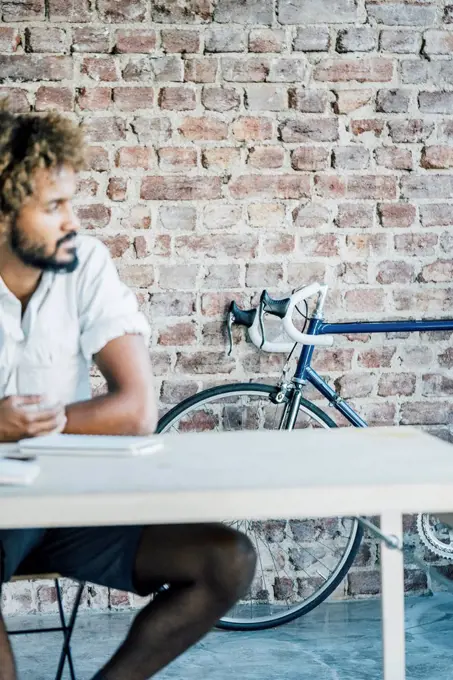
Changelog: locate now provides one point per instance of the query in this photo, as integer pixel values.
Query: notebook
(18, 472)
(89, 445)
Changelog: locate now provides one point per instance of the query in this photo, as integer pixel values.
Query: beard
(35, 255)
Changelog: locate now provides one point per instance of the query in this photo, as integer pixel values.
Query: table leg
(392, 570)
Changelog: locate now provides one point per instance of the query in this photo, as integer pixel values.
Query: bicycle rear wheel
(300, 562)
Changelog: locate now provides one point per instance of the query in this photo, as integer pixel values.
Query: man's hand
(29, 416)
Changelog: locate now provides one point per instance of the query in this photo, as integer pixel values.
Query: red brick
(396, 215)
(353, 157)
(133, 98)
(117, 245)
(266, 215)
(330, 186)
(117, 189)
(440, 271)
(266, 40)
(249, 128)
(182, 11)
(319, 245)
(410, 131)
(204, 363)
(427, 186)
(429, 301)
(222, 276)
(93, 216)
(261, 275)
(307, 101)
(333, 360)
(113, 11)
(177, 40)
(415, 244)
(436, 214)
(218, 245)
(220, 98)
(100, 68)
(203, 128)
(311, 216)
(446, 358)
(180, 189)
(279, 244)
(425, 413)
(371, 187)
(32, 67)
(141, 246)
(303, 273)
(394, 271)
(177, 98)
(17, 99)
(270, 186)
(436, 385)
(245, 70)
(355, 215)
(87, 188)
(104, 129)
(152, 129)
(221, 158)
(355, 385)
(394, 158)
(365, 300)
(135, 40)
(56, 98)
(309, 129)
(352, 273)
(367, 69)
(162, 245)
(94, 99)
(177, 158)
(376, 358)
(365, 245)
(137, 275)
(77, 11)
(310, 158)
(46, 39)
(91, 39)
(348, 101)
(97, 158)
(434, 157)
(374, 125)
(177, 334)
(135, 157)
(201, 70)
(22, 11)
(270, 157)
(138, 218)
(173, 392)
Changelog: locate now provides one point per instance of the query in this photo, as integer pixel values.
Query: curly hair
(31, 141)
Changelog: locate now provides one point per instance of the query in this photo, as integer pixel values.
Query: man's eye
(53, 207)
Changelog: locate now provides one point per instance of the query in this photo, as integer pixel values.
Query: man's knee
(231, 563)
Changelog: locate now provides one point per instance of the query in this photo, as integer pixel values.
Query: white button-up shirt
(69, 319)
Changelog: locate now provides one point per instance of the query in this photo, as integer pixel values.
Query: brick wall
(242, 144)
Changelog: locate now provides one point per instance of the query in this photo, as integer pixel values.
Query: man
(62, 305)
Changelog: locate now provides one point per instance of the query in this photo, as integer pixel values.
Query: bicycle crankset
(437, 537)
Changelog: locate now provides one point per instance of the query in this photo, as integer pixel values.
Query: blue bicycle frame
(306, 374)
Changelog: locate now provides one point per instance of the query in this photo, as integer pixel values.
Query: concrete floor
(338, 641)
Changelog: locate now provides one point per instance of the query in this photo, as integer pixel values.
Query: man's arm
(129, 407)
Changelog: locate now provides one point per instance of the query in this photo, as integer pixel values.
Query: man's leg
(208, 568)
(7, 668)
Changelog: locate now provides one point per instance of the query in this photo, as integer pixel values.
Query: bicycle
(300, 563)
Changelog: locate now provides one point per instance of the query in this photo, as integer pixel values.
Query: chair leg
(67, 630)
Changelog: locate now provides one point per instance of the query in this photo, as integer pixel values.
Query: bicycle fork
(291, 410)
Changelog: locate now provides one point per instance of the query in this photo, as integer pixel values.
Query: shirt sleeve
(108, 309)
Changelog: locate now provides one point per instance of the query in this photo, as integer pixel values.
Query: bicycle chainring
(436, 536)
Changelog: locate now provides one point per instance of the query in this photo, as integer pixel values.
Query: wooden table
(255, 475)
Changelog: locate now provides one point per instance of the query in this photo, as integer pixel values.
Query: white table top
(254, 475)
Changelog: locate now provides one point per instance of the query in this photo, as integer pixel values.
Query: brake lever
(261, 313)
(231, 320)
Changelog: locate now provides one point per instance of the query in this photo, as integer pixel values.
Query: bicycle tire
(206, 396)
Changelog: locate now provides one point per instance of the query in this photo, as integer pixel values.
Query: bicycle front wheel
(300, 562)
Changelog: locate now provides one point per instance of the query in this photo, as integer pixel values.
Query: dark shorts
(102, 555)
